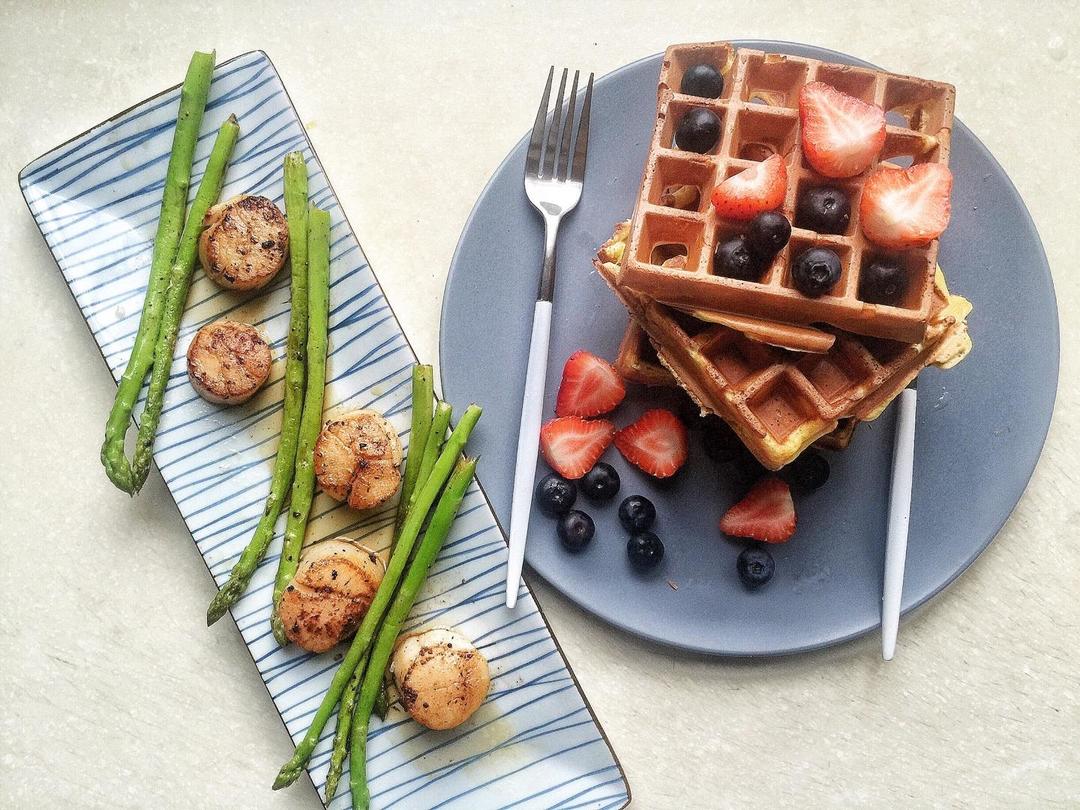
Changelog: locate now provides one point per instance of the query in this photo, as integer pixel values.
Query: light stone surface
(116, 695)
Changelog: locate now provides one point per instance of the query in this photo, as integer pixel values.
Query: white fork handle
(532, 409)
(899, 516)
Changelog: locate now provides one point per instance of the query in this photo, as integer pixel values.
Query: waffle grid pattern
(759, 117)
(778, 401)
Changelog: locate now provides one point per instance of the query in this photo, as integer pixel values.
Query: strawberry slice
(656, 443)
(841, 135)
(590, 386)
(572, 445)
(903, 208)
(759, 188)
(766, 513)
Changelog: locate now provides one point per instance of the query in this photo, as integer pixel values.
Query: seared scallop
(358, 459)
(245, 242)
(228, 362)
(330, 593)
(441, 676)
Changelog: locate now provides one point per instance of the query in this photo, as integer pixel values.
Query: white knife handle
(532, 410)
(899, 514)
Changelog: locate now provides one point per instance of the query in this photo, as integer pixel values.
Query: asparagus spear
(180, 273)
(437, 433)
(296, 201)
(410, 530)
(435, 436)
(434, 537)
(340, 748)
(303, 484)
(432, 438)
(193, 94)
(422, 394)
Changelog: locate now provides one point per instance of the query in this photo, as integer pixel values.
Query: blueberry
(722, 444)
(555, 495)
(824, 209)
(808, 472)
(575, 529)
(755, 566)
(746, 469)
(645, 551)
(703, 81)
(698, 131)
(734, 259)
(600, 483)
(636, 513)
(883, 282)
(767, 234)
(815, 271)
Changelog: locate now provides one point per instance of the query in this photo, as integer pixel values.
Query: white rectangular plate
(535, 743)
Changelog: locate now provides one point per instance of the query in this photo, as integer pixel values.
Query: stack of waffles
(784, 370)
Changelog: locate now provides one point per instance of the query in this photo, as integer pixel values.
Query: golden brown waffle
(759, 117)
(638, 362)
(781, 402)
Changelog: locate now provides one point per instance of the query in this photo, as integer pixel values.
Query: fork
(554, 174)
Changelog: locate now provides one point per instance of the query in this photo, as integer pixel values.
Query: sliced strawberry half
(902, 208)
(572, 445)
(766, 513)
(656, 443)
(759, 188)
(590, 386)
(841, 135)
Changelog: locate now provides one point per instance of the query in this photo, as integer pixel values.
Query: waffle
(759, 116)
(780, 402)
(638, 362)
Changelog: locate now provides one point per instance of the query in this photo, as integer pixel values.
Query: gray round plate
(980, 429)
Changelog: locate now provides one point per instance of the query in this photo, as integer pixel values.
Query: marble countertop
(114, 692)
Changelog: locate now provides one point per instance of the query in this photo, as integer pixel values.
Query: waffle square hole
(735, 358)
(686, 322)
(664, 238)
(919, 272)
(782, 407)
(676, 109)
(885, 352)
(799, 244)
(851, 191)
(728, 229)
(834, 374)
(761, 132)
(774, 80)
(847, 79)
(915, 104)
(721, 56)
(903, 148)
(681, 183)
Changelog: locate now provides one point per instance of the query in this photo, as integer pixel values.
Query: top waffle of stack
(759, 116)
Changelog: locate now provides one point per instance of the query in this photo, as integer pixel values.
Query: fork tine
(581, 145)
(536, 142)
(565, 158)
(550, 156)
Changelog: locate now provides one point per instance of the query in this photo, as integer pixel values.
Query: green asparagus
(340, 748)
(422, 394)
(436, 434)
(180, 273)
(193, 94)
(296, 202)
(429, 548)
(439, 423)
(303, 484)
(410, 530)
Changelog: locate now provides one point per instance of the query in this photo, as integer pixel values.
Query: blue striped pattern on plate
(535, 742)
